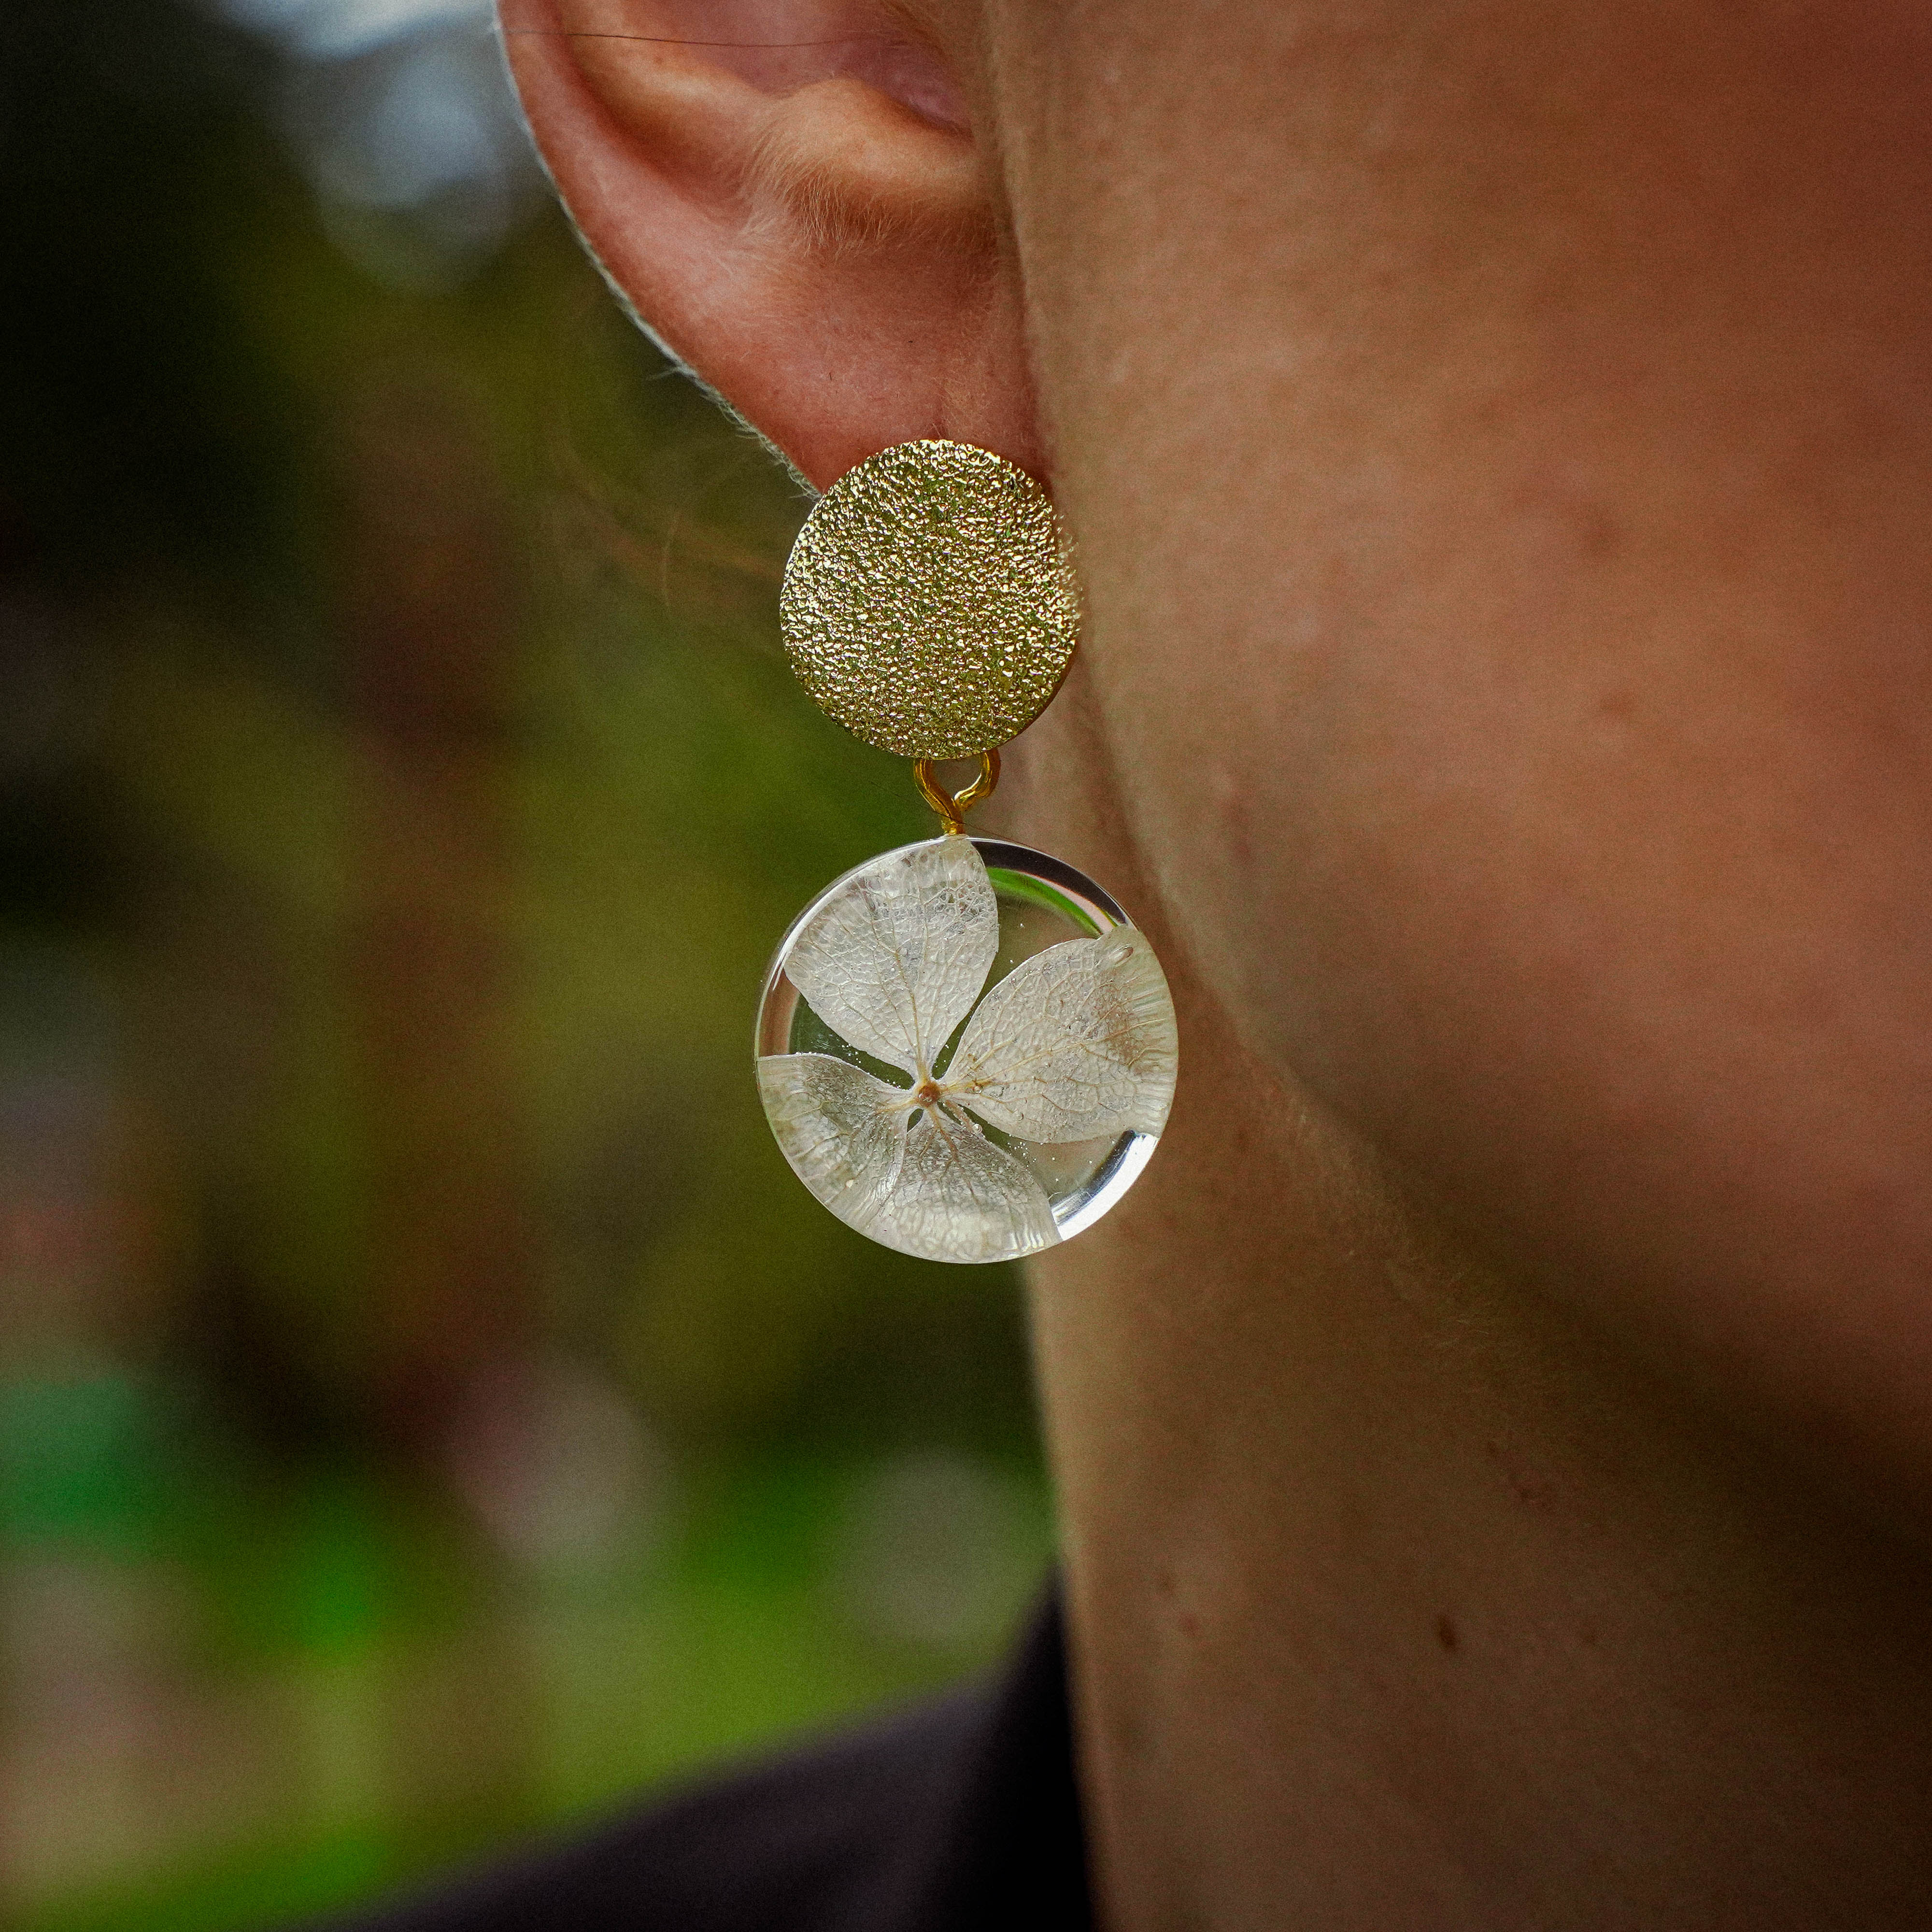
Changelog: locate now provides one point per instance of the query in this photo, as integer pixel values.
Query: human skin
(1495, 1441)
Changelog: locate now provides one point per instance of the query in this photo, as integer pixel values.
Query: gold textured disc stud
(929, 603)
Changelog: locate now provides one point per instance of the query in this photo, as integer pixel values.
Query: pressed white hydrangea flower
(1075, 1044)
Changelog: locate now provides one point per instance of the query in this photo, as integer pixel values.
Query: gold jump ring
(953, 807)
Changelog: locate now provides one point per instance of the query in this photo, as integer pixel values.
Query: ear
(807, 222)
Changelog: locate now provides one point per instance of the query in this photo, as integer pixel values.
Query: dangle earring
(965, 1049)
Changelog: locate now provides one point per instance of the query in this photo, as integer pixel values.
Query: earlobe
(824, 254)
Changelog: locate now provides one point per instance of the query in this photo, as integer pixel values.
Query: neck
(1397, 1599)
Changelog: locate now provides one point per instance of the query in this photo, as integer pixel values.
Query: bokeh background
(428, 1410)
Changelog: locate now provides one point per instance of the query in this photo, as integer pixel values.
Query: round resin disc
(966, 1050)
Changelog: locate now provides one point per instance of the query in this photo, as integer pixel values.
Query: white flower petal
(892, 962)
(1077, 1042)
(843, 1131)
(958, 1198)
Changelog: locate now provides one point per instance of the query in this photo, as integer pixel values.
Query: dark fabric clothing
(960, 1816)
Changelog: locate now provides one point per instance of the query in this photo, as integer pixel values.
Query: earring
(965, 1049)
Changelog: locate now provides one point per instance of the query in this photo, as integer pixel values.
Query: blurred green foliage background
(428, 1409)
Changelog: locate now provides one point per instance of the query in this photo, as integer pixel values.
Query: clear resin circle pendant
(965, 1050)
